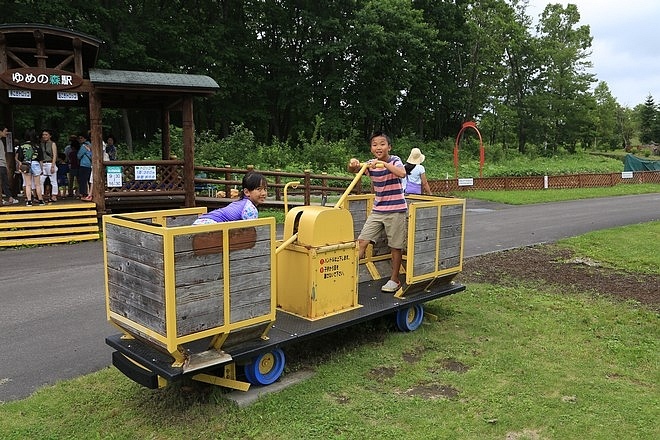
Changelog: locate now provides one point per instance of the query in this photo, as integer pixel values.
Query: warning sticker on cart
(331, 267)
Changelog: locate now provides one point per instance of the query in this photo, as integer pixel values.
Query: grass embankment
(524, 362)
(521, 197)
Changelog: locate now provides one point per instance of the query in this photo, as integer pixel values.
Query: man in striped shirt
(389, 212)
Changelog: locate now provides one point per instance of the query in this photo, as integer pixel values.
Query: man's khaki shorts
(394, 224)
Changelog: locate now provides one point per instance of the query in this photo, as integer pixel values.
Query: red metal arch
(465, 126)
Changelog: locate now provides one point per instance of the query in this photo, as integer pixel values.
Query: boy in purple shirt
(389, 212)
(254, 193)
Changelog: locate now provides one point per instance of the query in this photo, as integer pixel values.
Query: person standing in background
(71, 151)
(111, 147)
(4, 176)
(85, 166)
(31, 157)
(62, 173)
(415, 181)
(49, 148)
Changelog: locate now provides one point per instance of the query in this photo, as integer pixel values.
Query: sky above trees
(625, 53)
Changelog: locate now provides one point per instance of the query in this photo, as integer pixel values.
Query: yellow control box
(317, 273)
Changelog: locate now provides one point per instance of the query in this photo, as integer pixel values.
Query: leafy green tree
(626, 125)
(565, 81)
(514, 104)
(440, 81)
(607, 131)
(648, 120)
(389, 38)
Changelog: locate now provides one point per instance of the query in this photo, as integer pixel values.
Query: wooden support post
(188, 151)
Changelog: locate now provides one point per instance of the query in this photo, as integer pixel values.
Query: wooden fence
(544, 182)
(222, 180)
(218, 183)
(213, 185)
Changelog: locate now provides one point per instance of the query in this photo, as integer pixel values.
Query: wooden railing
(213, 185)
(168, 181)
(225, 179)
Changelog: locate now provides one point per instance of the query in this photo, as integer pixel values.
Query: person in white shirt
(415, 181)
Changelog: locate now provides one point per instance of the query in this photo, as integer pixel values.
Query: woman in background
(415, 181)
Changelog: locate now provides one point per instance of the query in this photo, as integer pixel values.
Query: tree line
(417, 68)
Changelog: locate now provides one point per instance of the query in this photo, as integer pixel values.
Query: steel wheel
(265, 368)
(410, 318)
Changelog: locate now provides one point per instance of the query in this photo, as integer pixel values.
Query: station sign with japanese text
(41, 79)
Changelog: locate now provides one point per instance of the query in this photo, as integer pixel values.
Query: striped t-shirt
(388, 189)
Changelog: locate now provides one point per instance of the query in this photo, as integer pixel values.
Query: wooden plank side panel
(188, 273)
(451, 236)
(135, 237)
(358, 210)
(139, 309)
(449, 210)
(450, 247)
(138, 262)
(149, 288)
(451, 226)
(211, 242)
(199, 307)
(426, 236)
(180, 220)
(426, 241)
(199, 281)
(199, 274)
(250, 282)
(135, 269)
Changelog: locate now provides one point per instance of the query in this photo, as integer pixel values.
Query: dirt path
(550, 264)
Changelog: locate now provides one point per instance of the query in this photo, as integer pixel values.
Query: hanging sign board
(41, 79)
(114, 176)
(21, 94)
(145, 172)
(67, 96)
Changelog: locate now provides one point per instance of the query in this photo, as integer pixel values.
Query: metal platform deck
(290, 328)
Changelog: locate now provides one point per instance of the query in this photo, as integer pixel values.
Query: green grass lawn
(523, 362)
(522, 197)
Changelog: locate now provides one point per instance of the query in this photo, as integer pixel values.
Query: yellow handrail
(286, 197)
(350, 187)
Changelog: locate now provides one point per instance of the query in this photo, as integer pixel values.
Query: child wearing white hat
(415, 181)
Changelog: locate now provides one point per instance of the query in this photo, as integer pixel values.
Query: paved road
(52, 309)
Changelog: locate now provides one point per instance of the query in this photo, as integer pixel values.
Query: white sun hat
(416, 157)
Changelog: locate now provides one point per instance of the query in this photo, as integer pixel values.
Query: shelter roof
(127, 79)
(31, 51)
(124, 88)
(22, 38)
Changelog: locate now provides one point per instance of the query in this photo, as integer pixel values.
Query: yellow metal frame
(420, 201)
(170, 341)
(439, 203)
(227, 381)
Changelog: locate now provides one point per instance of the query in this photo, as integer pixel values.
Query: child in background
(254, 193)
(389, 212)
(62, 175)
(415, 181)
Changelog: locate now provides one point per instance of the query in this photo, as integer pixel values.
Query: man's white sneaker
(390, 286)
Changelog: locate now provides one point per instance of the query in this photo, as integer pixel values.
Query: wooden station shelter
(52, 66)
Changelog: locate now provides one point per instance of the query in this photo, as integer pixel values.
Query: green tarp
(633, 163)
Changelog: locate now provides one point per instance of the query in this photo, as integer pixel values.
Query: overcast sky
(625, 48)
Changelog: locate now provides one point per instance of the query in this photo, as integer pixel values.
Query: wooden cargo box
(187, 288)
(434, 247)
